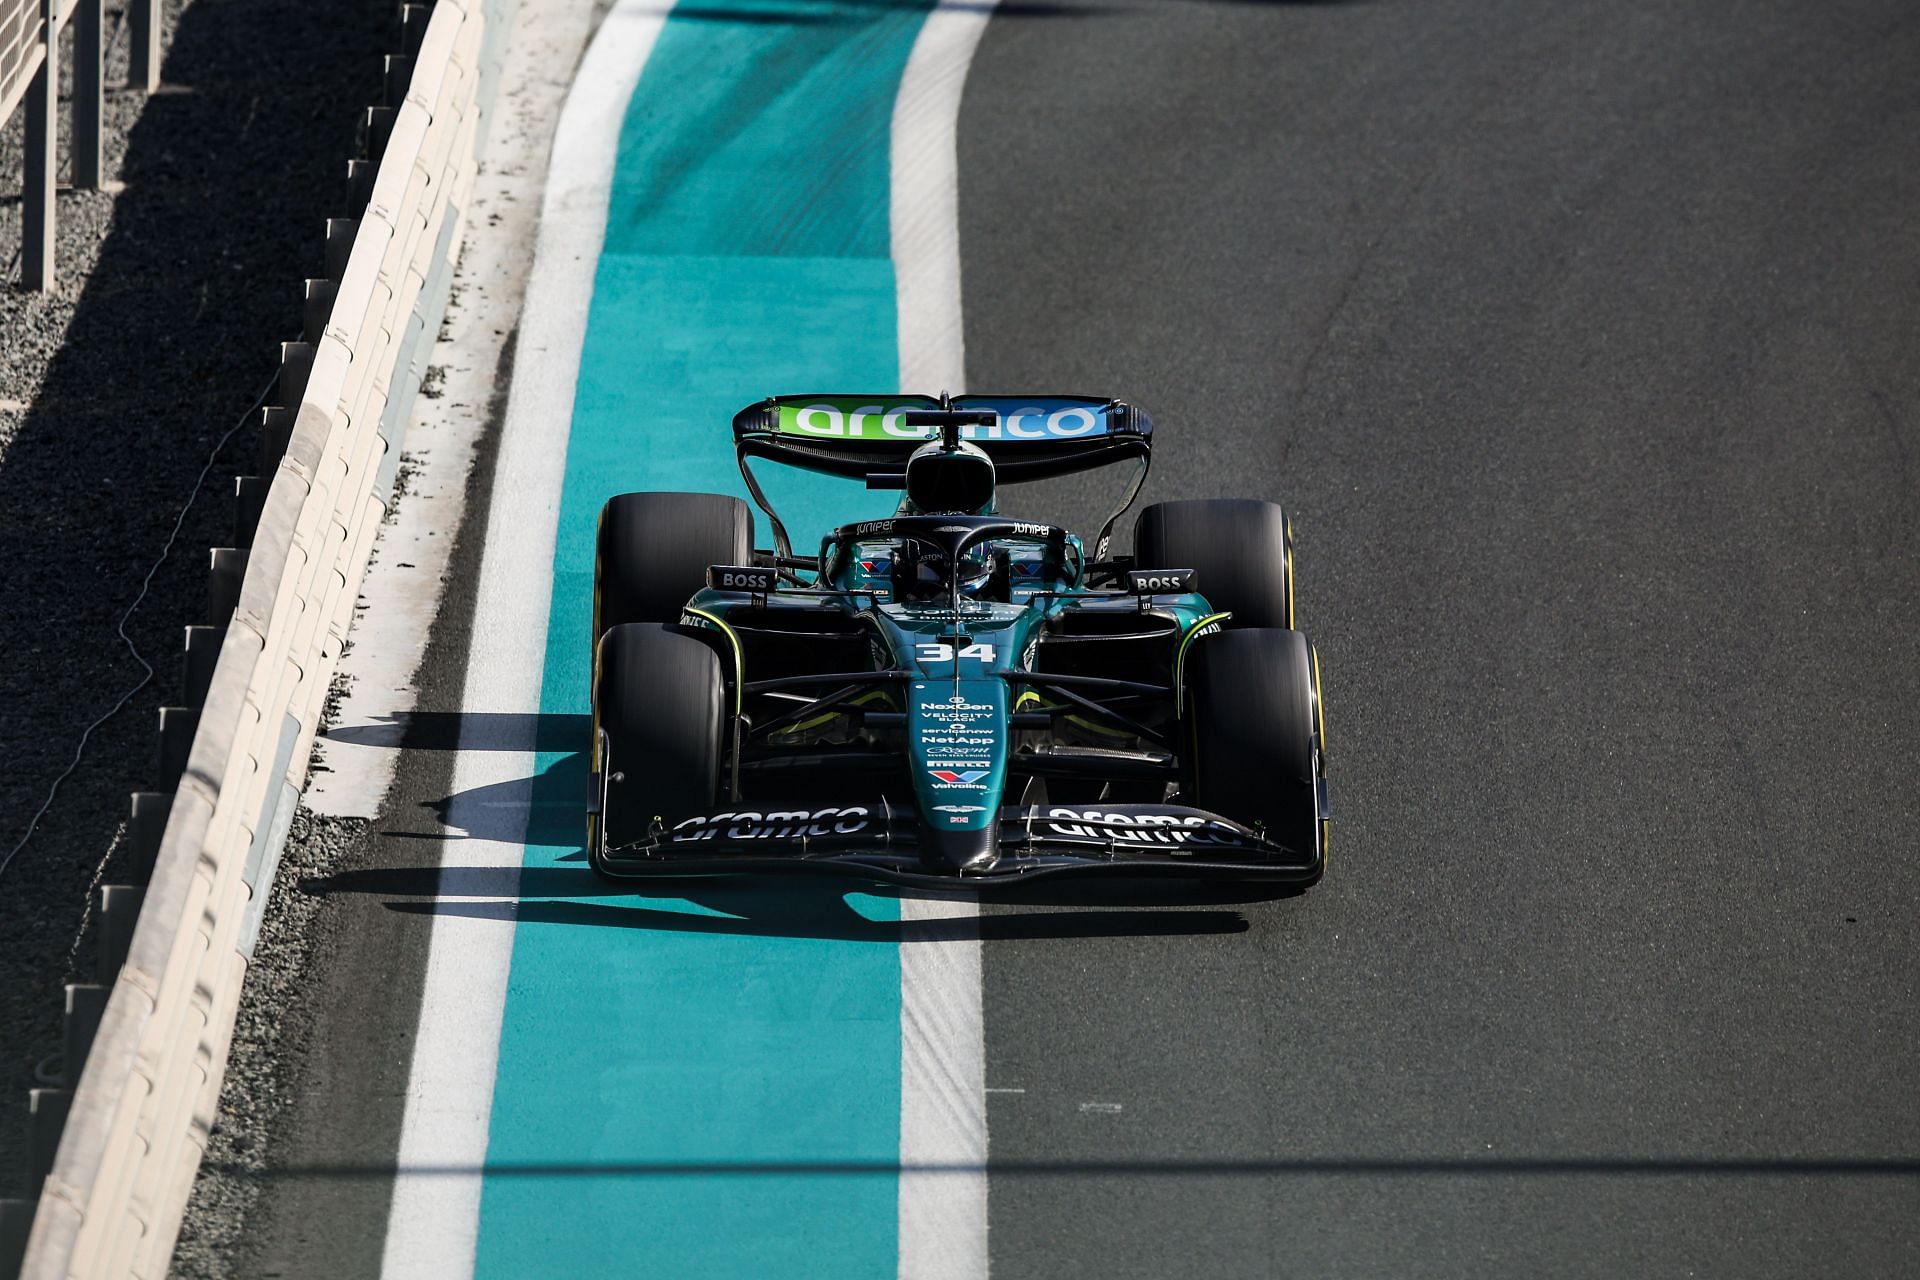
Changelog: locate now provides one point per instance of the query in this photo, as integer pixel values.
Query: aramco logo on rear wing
(839, 419)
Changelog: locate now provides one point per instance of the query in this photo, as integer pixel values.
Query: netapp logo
(774, 825)
(1176, 829)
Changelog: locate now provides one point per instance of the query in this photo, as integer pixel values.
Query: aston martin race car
(951, 696)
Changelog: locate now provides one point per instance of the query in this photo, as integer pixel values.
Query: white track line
(925, 209)
(434, 1224)
(943, 1104)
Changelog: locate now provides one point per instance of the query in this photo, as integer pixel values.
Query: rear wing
(1028, 437)
(870, 438)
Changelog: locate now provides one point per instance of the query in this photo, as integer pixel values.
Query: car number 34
(935, 653)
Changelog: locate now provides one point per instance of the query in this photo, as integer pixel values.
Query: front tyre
(659, 718)
(1258, 733)
(1242, 548)
(653, 551)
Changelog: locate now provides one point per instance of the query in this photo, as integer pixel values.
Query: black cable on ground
(80, 748)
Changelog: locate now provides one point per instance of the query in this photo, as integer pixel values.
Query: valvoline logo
(957, 777)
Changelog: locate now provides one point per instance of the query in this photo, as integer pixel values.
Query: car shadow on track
(545, 813)
(573, 895)
(825, 912)
(467, 731)
(1597, 1166)
(819, 13)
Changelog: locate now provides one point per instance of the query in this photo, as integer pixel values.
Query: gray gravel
(270, 1041)
(172, 294)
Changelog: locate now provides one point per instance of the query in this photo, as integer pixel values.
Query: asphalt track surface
(1583, 343)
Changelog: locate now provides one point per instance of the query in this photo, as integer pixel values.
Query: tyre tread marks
(652, 551)
(1241, 547)
(1255, 731)
(660, 699)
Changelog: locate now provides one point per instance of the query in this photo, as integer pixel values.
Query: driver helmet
(958, 480)
(922, 575)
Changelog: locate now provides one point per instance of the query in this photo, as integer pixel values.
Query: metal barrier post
(89, 85)
(175, 952)
(143, 60)
(16, 1219)
(43, 102)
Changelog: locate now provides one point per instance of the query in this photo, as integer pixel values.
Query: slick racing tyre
(659, 712)
(1242, 548)
(654, 550)
(1257, 755)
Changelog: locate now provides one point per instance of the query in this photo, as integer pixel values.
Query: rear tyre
(1253, 706)
(654, 550)
(1242, 547)
(659, 712)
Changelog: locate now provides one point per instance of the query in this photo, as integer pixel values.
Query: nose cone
(960, 852)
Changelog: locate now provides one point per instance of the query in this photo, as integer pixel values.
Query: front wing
(882, 842)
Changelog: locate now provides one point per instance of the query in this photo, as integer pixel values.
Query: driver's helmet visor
(972, 573)
(919, 574)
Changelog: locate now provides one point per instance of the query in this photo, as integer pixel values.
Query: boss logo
(727, 577)
(1150, 582)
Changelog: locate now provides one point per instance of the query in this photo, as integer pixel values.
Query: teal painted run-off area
(710, 1085)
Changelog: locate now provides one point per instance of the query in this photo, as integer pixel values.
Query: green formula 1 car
(952, 696)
